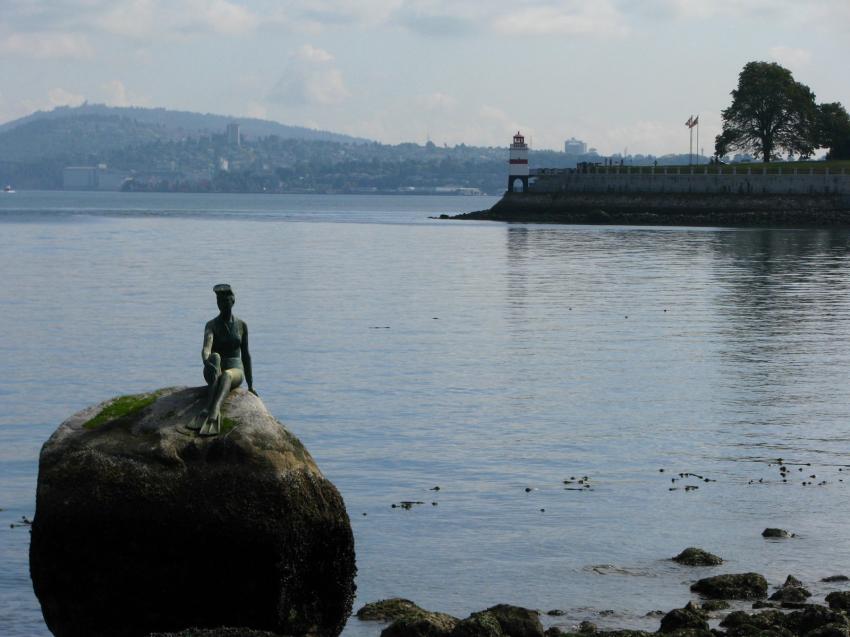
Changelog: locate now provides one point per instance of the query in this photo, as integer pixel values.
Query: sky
(621, 75)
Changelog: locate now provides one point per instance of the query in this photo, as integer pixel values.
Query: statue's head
(224, 296)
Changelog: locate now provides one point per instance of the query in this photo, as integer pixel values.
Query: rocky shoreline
(788, 612)
(668, 209)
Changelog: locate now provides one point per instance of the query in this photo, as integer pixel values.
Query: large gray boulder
(142, 526)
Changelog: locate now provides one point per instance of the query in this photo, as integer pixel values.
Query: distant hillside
(76, 138)
(161, 150)
(184, 123)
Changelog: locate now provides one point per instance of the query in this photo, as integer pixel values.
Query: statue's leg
(212, 374)
(230, 379)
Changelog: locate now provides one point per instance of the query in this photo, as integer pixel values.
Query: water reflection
(746, 331)
(782, 302)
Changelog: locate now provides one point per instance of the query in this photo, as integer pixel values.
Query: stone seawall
(685, 209)
(744, 182)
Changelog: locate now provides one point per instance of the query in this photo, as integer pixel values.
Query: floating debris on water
(406, 504)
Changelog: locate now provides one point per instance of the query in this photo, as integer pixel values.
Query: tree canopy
(834, 130)
(770, 111)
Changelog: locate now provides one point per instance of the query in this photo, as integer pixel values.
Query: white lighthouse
(518, 163)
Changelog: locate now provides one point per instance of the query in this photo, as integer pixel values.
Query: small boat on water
(8, 189)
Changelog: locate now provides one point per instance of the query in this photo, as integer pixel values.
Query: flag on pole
(690, 122)
(696, 121)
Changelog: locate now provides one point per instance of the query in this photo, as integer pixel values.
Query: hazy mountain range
(176, 124)
(161, 149)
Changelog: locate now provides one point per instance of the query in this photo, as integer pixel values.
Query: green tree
(770, 111)
(834, 130)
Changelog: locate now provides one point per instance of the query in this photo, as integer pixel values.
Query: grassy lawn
(772, 168)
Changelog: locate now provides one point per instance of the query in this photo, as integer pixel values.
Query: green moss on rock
(228, 424)
(121, 407)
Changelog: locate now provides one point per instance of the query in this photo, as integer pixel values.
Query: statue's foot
(212, 426)
(198, 421)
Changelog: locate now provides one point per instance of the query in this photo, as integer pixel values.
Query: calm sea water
(486, 359)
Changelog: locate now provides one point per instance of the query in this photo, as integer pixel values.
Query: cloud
(116, 93)
(226, 18)
(255, 109)
(311, 78)
(46, 45)
(436, 102)
(311, 54)
(60, 97)
(565, 18)
(322, 13)
(790, 56)
(134, 19)
(155, 19)
(434, 24)
(137, 19)
(823, 14)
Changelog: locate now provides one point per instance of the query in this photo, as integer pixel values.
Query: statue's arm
(246, 359)
(206, 350)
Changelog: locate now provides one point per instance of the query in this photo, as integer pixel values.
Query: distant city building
(518, 162)
(93, 178)
(233, 137)
(575, 146)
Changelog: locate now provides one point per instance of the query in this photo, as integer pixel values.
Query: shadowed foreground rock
(217, 632)
(409, 620)
(791, 593)
(812, 620)
(142, 527)
(689, 617)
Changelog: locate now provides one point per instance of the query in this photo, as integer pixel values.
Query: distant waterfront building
(575, 146)
(518, 163)
(98, 177)
(233, 137)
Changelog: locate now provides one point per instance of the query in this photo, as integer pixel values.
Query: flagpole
(697, 138)
(691, 147)
(690, 124)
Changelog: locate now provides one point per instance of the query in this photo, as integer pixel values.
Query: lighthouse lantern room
(518, 163)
